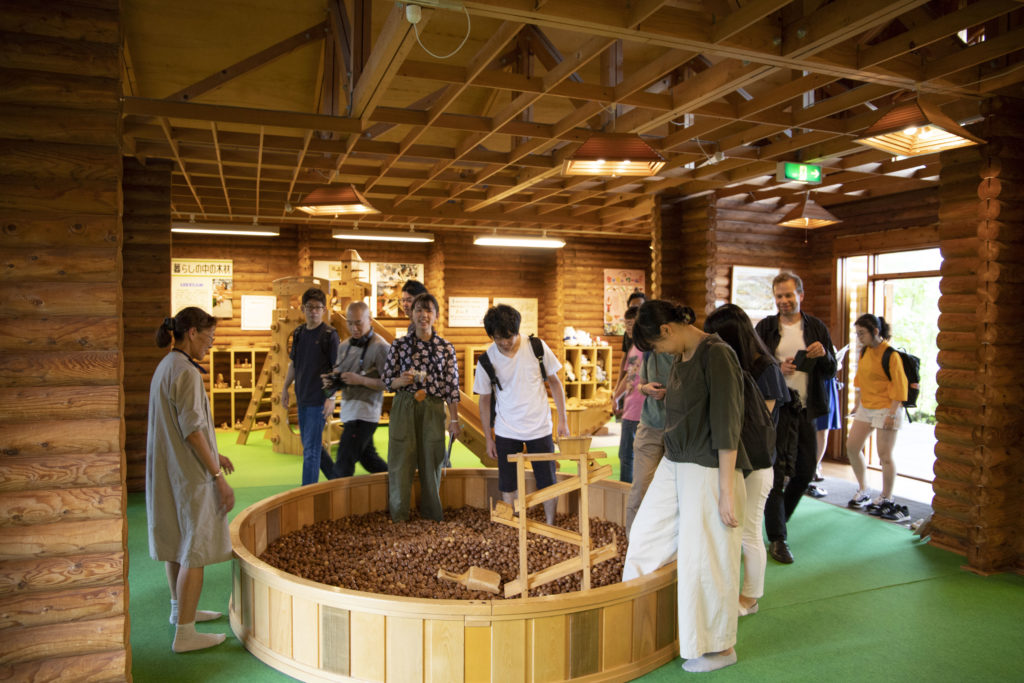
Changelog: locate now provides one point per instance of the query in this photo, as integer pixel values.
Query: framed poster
(204, 283)
(618, 285)
(386, 280)
(466, 311)
(526, 307)
(751, 290)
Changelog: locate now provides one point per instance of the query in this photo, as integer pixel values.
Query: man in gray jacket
(357, 374)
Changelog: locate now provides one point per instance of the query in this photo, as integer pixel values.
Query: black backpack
(758, 432)
(488, 366)
(912, 370)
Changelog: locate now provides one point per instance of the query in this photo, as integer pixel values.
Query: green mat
(865, 599)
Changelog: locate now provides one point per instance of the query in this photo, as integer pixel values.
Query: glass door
(902, 287)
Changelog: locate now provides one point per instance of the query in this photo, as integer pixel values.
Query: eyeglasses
(313, 308)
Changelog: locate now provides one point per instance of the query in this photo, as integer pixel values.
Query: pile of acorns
(373, 554)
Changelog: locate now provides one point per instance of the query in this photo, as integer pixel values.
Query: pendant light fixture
(916, 127)
(613, 154)
(333, 200)
(807, 214)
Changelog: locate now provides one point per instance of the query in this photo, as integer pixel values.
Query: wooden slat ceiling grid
(256, 122)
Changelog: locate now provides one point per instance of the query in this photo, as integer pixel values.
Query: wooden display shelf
(588, 359)
(238, 369)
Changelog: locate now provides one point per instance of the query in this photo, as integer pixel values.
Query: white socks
(744, 611)
(709, 662)
(201, 614)
(186, 638)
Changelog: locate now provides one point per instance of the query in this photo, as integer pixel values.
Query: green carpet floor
(864, 600)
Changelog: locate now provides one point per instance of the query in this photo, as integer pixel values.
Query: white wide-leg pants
(678, 519)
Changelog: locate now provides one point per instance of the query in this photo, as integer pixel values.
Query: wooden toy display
(287, 316)
(588, 472)
(314, 631)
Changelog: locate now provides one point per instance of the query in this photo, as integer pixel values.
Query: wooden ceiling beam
(636, 81)
(165, 124)
(933, 31)
(195, 111)
(991, 48)
(252, 62)
(220, 165)
(588, 51)
(480, 61)
(839, 21)
(742, 18)
(677, 28)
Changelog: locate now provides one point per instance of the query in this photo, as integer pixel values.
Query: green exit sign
(788, 171)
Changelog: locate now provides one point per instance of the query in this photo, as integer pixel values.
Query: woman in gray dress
(187, 497)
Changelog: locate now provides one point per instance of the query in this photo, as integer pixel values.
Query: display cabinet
(585, 370)
(232, 376)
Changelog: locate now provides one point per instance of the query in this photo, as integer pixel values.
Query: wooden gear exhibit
(316, 632)
(588, 474)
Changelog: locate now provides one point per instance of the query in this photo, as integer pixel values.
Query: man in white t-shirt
(522, 415)
(802, 345)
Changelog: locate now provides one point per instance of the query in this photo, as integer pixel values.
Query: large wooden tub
(316, 632)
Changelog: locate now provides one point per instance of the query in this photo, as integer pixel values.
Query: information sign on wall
(526, 307)
(466, 311)
(205, 283)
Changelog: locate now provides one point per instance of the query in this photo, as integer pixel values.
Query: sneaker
(874, 506)
(886, 507)
(859, 500)
(897, 513)
(816, 491)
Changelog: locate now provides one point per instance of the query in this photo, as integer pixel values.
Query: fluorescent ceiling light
(613, 154)
(332, 200)
(226, 229)
(383, 235)
(512, 241)
(916, 127)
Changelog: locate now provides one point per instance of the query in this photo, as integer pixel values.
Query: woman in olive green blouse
(692, 510)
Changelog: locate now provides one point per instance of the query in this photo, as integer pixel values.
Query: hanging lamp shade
(807, 214)
(332, 200)
(916, 127)
(613, 154)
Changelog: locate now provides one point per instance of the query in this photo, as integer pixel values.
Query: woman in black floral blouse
(422, 370)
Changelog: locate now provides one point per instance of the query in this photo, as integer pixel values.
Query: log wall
(979, 464)
(687, 253)
(147, 297)
(63, 569)
(567, 283)
(746, 234)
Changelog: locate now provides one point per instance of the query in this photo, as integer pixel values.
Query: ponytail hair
(652, 315)
(875, 324)
(177, 327)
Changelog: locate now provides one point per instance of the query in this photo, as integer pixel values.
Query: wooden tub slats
(319, 633)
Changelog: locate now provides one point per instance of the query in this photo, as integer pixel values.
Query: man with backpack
(510, 378)
(313, 353)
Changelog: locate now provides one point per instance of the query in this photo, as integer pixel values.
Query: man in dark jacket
(803, 347)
